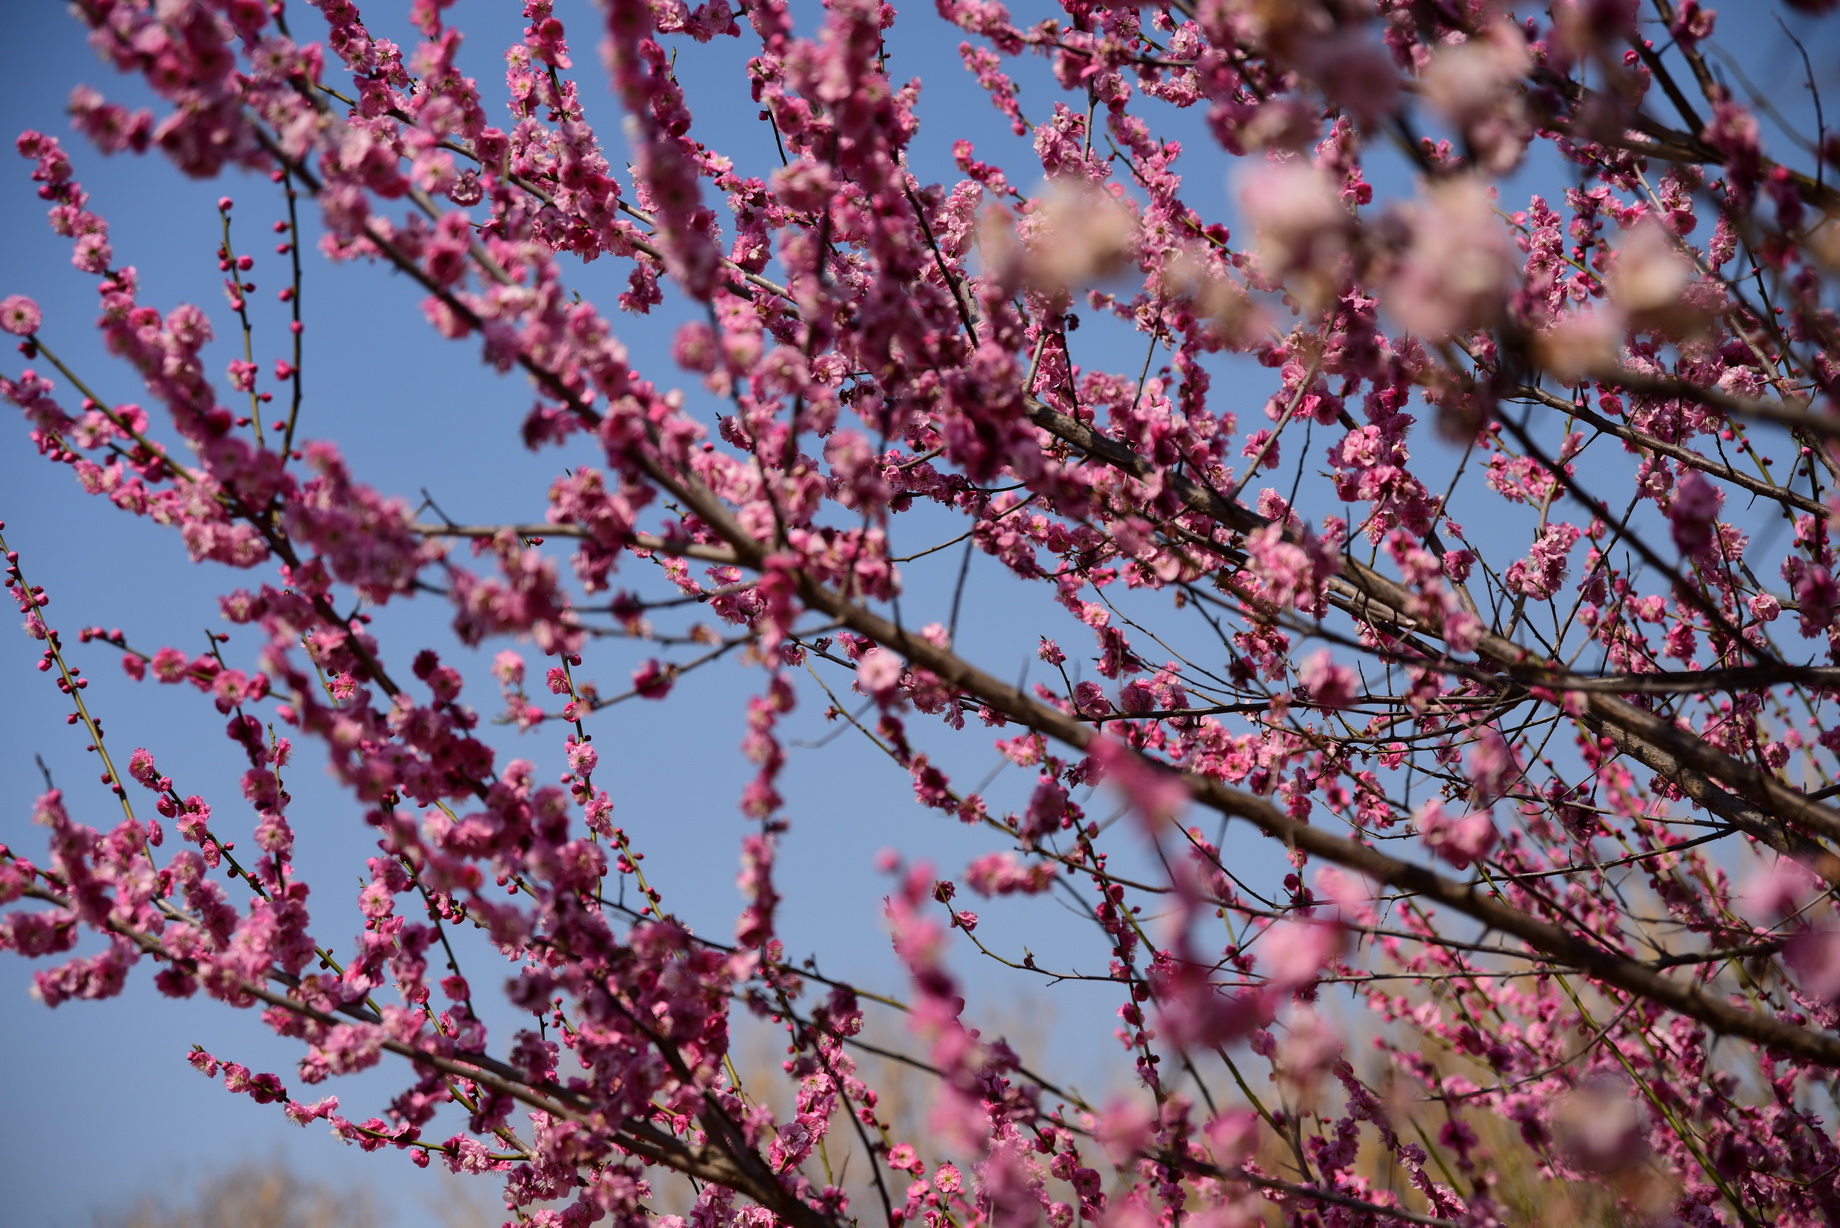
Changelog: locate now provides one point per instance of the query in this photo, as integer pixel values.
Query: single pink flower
(878, 674)
(1461, 267)
(1461, 840)
(1155, 793)
(19, 315)
(1693, 515)
(1330, 685)
(1123, 1129)
(1292, 953)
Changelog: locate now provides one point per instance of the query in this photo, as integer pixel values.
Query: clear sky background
(99, 1101)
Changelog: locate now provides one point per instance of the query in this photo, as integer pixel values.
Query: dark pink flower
(1694, 512)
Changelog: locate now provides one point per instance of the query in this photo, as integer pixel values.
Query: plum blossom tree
(1504, 609)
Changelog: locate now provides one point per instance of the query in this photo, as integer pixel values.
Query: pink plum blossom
(1460, 839)
(19, 315)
